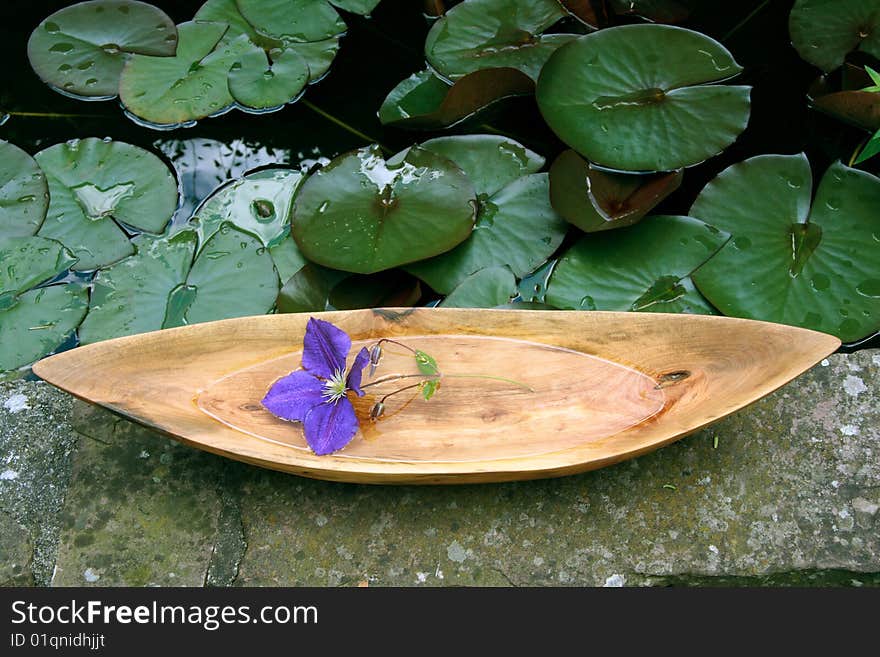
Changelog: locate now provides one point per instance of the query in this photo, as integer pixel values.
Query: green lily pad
(363, 215)
(232, 277)
(646, 267)
(494, 34)
(132, 296)
(362, 7)
(490, 161)
(309, 289)
(423, 100)
(35, 321)
(160, 286)
(516, 227)
(258, 83)
(39, 322)
(816, 268)
(296, 20)
(593, 199)
(487, 288)
(170, 91)
(93, 184)
(24, 193)
(287, 257)
(27, 262)
(638, 98)
(80, 50)
(258, 203)
(318, 55)
(825, 31)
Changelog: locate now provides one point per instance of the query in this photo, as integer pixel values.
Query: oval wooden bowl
(604, 387)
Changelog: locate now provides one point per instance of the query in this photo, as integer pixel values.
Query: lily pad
(490, 161)
(423, 100)
(93, 184)
(639, 98)
(593, 199)
(318, 54)
(259, 203)
(309, 289)
(787, 262)
(24, 193)
(287, 258)
(260, 82)
(170, 91)
(646, 267)
(363, 215)
(80, 50)
(35, 321)
(589, 12)
(160, 286)
(296, 20)
(516, 227)
(39, 322)
(825, 31)
(27, 262)
(494, 34)
(487, 288)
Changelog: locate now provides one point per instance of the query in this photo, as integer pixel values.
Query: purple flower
(316, 394)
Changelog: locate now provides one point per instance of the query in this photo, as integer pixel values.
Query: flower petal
(325, 348)
(293, 396)
(353, 382)
(330, 426)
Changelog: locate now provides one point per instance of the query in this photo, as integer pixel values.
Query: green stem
(736, 28)
(342, 124)
(52, 115)
(398, 377)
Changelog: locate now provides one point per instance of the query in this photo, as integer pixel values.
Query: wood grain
(607, 386)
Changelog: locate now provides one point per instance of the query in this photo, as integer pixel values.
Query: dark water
(379, 52)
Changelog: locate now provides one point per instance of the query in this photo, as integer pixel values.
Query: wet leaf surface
(516, 228)
(27, 262)
(646, 267)
(491, 162)
(824, 32)
(593, 199)
(94, 183)
(170, 91)
(259, 203)
(487, 288)
(287, 257)
(296, 20)
(35, 321)
(640, 98)
(24, 193)
(39, 322)
(494, 34)
(815, 267)
(363, 215)
(80, 50)
(425, 101)
(161, 286)
(261, 84)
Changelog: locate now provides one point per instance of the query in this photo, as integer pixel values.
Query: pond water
(339, 113)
